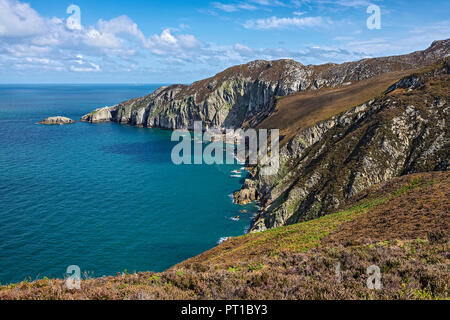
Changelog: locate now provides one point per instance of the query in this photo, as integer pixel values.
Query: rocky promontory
(57, 121)
(244, 95)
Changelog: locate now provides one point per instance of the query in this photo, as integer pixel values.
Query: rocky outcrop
(244, 95)
(404, 131)
(99, 115)
(57, 121)
(247, 194)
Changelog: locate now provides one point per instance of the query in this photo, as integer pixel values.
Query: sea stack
(57, 121)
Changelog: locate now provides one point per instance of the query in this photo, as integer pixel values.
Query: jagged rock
(247, 194)
(57, 121)
(99, 115)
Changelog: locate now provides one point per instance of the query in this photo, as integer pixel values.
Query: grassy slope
(409, 207)
(300, 111)
(402, 226)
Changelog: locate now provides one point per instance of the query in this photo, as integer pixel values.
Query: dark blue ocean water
(105, 197)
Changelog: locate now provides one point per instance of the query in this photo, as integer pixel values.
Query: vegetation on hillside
(401, 226)
(404, 130)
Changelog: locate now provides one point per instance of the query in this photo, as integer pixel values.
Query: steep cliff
(246, 94)
(403, 131)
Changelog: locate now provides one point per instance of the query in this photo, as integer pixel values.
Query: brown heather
(299, 111)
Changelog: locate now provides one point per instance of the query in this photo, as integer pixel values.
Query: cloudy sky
(164, 41)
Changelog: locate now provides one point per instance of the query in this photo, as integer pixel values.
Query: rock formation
(404, 131)
(247, 194)
(57, 121)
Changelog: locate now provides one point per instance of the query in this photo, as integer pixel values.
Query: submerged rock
(57, 121)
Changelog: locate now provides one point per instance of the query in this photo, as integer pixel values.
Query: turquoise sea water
(105, 197)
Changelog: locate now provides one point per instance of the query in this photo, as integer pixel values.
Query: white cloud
(19, 19)
(25, 34)
(85, 66)
(274, 3)
(282, 23)
(251, 5)
(310, 55)
(225, 7)
(119, 45)
(122, 26)
(353, 3)
(95, 38)
(167, 43)
(343, 3)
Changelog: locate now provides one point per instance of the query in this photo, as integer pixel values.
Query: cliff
(403, 131)
(245, 95)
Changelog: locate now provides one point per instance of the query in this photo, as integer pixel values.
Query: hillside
(296, 112)
(245, 95)
(404, 130)
(401, 226)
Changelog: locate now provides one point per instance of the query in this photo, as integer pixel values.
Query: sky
(179, 41)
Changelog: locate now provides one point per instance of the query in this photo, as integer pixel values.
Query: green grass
(305, 236)
(414, 184)
(301, 237)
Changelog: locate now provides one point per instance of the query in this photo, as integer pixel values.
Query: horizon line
(86, 83)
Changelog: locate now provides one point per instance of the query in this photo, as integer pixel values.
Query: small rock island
(57, 121)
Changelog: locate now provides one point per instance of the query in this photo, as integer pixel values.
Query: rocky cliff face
(246, 94)
(404, 131)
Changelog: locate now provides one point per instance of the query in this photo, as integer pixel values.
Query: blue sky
(139, 41)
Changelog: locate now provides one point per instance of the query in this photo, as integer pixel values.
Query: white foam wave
(222, 240)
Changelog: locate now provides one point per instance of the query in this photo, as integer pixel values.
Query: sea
(104, 197)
